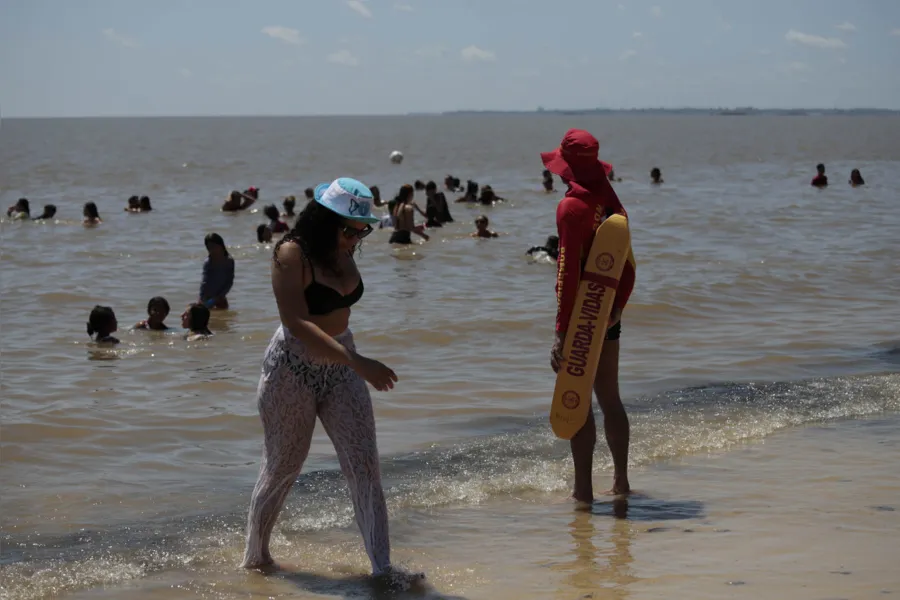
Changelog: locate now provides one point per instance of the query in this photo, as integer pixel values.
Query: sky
(62, 58)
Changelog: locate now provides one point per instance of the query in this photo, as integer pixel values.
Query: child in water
(481, 228)
(548, 181)
(91, 215)
(550, 248)
(157, 311)
(19, 210)
(856, 178)
(820, 180)
(134, 205)
(102, 324)
(289, 203)
(263, 234)
(275, 222)
(656, 176)
(196, 320)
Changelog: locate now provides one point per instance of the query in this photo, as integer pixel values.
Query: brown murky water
(761, 304)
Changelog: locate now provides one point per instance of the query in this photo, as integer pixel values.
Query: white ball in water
(396, 157)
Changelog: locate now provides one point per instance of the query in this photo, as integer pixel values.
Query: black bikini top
(322, 299)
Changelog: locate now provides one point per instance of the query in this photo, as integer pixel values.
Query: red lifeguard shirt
(578, 216)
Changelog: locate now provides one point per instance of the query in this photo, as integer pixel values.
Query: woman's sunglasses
(351, 232)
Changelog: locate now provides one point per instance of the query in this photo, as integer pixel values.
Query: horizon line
(539, 110)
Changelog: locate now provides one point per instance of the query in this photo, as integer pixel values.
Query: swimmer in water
(471, 194)
(102, 324)
(436, 209)
(49, 212)
(418, 185)
(488, 197)
(548, 181)
(196, 320)
(656, 176)
(91, 215)
(263, 234)
(550, 248)
(157, 311)
(218, 273)
(856, 178)
(289, 203)
(588, 201)
(144, 204)
(19, 210)
(820, 180)
(308, 194)
(275, 222)
(403, 211)
(481, 228)
(312, 369)
(134, 205)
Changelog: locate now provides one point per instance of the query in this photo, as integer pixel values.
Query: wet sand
(810, 513)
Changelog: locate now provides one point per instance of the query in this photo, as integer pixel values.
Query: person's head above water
(144, 204)
(339, 217)
(655, 173)
(431, 186)
(820, 169)
(134, 203)
(309, 193)
(289, 203)
(481, 222)
(552, 243)
(263, 234)
(856, 177)
(157, 309)
(196, 318)
(215, 245)
(101, 322)
(49, 212)
(90, 211)
(271, 212)
(419, 185)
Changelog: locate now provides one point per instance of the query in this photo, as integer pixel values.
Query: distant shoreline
(748, 111)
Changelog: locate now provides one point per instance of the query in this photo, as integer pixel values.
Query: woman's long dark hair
(215, 238)
(316, 232)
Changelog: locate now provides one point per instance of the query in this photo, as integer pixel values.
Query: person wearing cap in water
(311, 369)
(589, 200)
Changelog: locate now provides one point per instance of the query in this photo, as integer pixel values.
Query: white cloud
(474, 53)
(846, 26)
(797, 66)
(637, 34)
(656, 12)
(285, 34)
(185, 73)
(360, 8)
(123, 40)
(816, 41)
(895, 31)
(403, 7)
(343, 57)
(627, 54)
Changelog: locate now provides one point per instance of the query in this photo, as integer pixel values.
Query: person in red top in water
(820, 180)
(589, 200)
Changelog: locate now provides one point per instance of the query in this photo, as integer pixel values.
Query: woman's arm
(290, 276)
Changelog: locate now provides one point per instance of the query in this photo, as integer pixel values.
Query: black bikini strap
(312, 269)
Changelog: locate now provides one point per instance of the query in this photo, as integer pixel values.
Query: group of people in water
(821, 180)
(216, 281)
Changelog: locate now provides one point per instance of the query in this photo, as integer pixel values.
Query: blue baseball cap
(347, 197)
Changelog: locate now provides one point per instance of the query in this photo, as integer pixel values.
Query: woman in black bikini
(311, 368)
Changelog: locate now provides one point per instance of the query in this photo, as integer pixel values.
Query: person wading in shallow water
(589, 200)
(311, 369)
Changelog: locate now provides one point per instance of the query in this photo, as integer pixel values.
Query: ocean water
(761, 305)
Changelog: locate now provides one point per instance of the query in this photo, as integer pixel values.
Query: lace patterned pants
(295, 388)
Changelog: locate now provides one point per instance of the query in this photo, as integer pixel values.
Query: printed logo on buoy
(605, 261)
(571, 400)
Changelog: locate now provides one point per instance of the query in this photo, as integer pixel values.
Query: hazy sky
(212, 57)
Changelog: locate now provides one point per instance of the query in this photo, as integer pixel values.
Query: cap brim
(368, 220)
